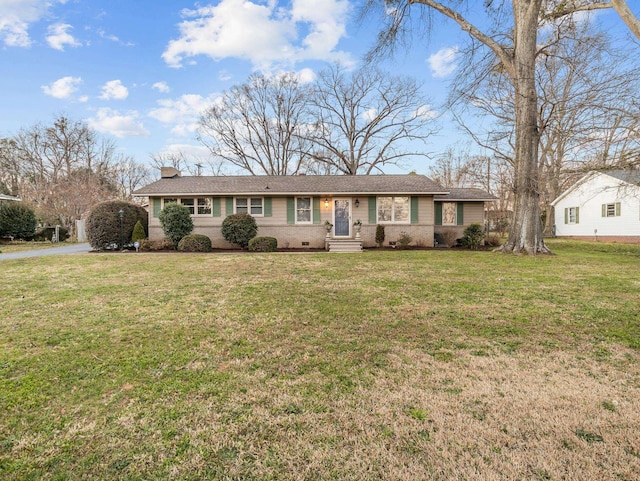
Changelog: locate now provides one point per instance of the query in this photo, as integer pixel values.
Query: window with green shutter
(291, 210)
(460, 213)
(438, 213)
(157, 206)
(316, 210)
(268, 210)
(229, 206)
(373, 210)
(216, 207)
(414, 210)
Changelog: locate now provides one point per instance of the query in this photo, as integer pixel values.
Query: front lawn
(395, 365)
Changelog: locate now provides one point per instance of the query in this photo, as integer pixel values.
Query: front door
(342, 217)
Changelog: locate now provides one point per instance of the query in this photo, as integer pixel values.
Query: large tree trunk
(525, 233)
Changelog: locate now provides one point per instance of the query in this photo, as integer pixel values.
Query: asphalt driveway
(52, 251)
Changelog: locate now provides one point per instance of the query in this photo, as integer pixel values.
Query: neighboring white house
(603, 205)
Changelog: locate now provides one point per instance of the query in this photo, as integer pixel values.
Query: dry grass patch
(388, 365)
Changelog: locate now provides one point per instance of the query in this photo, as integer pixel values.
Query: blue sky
(140, 71)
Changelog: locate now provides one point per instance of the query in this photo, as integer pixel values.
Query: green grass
(384, 365)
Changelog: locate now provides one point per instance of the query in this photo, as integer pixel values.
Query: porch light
(357, 202)
(326, 203)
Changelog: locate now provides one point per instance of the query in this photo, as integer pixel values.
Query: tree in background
(365, 120)
(259, 126)
(17, 220)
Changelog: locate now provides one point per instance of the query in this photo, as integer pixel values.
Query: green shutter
(577, 215)
(229, 206)
(316, 210)
(414, 210)
(268, 212)
(291, 210)
(460, 213)
(618, 209)
(438, 212)
(216, 207)
(373, 211)
(566, 215)
(604, 210)
(157, 206)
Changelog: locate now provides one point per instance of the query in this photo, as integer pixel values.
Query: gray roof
(466, 194)
(630, 176)
(298, 184)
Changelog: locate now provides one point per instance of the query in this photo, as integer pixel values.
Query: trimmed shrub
(404, 240)
(148, 245)
(176, 222)
(379, 235)
(263, 244)
(17, 221)
(138, 233)
(239, 229)
(47, 233)
(473, 236)
(195, 243)
(104, 228)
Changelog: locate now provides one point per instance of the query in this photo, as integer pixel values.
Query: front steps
(345, 245)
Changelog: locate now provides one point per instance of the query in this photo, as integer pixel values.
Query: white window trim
(393, 210)
(305, 222)
(613, 206)
(235, 205)
(195, 204)
(455, 215)
(572, 219)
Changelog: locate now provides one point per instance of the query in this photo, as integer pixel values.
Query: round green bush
(473, 236)
(105, 229)
(195, 243)
(17, 220)
(263, 244)
(176, 221)
(239, 229)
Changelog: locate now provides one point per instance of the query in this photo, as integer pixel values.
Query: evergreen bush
(263, 244)
(239, 229)
(473, 236)
(176, 222)
(195, 243)
(47, 233)
(105, 229)
(138, 233)
(17, 220)
(380, 235)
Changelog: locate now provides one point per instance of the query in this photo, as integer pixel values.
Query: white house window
(204, 206)
(573, 215)
(250, 205)
(393, 209)
(611, 210)
(303, 210)
(449, 213)
(189, 203)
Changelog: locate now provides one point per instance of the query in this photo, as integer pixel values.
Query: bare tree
(514, 45)
(365, 120)
(260, 126)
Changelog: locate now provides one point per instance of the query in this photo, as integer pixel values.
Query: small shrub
(473, 236)
(379, 235)
(404, 240)
(138, 233)
(263, 244)
(107, 230)
(239, 229)
(194, 243)
(17, 221)
(493, 240)
(176, 221)
(149, 245)
(450, 237)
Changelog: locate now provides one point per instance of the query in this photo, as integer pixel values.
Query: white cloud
(183, 113)
(62, 88)
(112, 122)
(426, 112)
(114, 90)
(443, 62)
(370, 114)
(161, 87)
(59, 36)
(306, 76)
(221, 31)
(15, 18)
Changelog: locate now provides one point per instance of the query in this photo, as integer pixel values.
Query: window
(611, 210)
(393, 210)
(204, 206)
(572, 215)
(449, 213)
(303, 210)
(189, 203)
(250, 205)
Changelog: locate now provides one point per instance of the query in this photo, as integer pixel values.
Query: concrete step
(345, 245)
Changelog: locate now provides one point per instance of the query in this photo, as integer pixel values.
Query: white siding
(589, 197)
